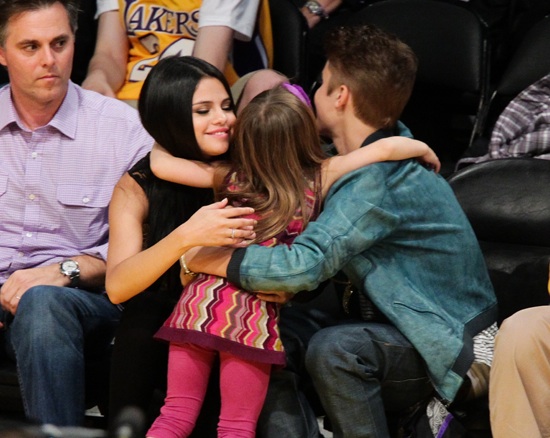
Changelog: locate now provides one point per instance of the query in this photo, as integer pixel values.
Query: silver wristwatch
(69, 268)
(316, 9)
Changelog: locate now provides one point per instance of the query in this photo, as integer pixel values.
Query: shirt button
(85, 199)
(29, 234)
(34, 154)
(32, 197)
(20, 254)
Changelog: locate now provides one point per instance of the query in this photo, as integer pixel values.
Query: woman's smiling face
(213, 117)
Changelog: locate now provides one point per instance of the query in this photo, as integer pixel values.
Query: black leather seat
(508, 206)
(97, 389)
(10, 397)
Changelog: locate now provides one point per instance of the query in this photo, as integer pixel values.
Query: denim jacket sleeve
(352, 220)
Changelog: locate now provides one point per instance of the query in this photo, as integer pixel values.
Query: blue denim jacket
(398, 232)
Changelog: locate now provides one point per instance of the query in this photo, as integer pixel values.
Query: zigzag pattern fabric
(216, 314)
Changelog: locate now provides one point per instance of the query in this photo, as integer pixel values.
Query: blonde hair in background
(278, 155)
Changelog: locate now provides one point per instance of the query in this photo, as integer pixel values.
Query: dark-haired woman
(151, 219)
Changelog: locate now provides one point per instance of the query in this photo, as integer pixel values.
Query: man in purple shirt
(62, 149)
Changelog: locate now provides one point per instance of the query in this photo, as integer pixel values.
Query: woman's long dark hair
(165, 108)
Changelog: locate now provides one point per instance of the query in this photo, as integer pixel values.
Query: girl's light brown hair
(278, 155)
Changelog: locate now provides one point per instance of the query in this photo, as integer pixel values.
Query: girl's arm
(181, 171)
(132, 269)
(386, 149)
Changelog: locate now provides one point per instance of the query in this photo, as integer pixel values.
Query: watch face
(69, 266)
(315, 8)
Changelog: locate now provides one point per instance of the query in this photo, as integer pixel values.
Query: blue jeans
(358, 370)
(291, 406)
(287, 410)
(361, 371)
(52, 331)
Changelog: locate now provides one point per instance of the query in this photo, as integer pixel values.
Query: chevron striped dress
(218, 315)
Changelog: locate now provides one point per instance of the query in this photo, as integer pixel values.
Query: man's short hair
(11, 8)
(377, 67)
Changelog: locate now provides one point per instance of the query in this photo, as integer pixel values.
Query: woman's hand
(216, 225)
(244, 242)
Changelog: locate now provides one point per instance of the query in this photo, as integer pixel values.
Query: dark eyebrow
(27, 42)
(210, 102)
(61, 37)
(36, 42)
(227, 99)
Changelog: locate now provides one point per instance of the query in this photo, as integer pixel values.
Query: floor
(95, 426)
(94, 412)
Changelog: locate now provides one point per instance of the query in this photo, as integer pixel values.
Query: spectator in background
(132, 40)
(84, 44)
(62, 150)
(522, 129)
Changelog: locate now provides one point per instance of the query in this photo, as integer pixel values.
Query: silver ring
(17, 297)
(232, 233)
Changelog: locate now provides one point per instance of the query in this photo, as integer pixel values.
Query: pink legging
(243, 386)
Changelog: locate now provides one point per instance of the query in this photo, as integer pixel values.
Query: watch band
(315, 8)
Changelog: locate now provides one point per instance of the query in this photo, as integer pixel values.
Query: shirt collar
(66, 117)
(64, 120)
(8, 114)
(381, 133)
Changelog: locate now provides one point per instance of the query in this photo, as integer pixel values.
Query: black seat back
(289, 40)
(529, 62)
(451, 44)
(508, 206)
